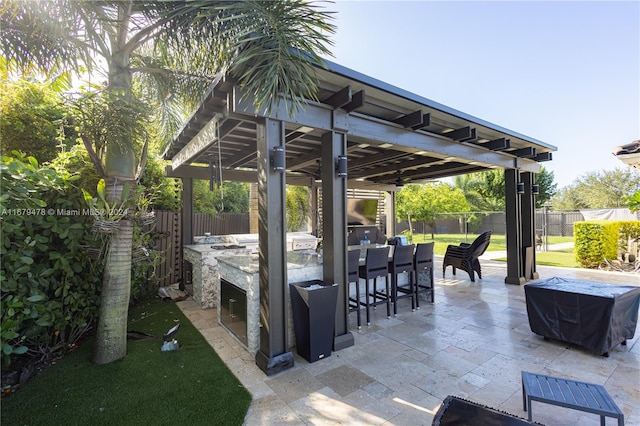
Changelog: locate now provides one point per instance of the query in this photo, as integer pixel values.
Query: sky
(566, 73)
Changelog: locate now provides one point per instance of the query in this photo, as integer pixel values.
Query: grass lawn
(498, 242)
(190, 386)
(563, 258)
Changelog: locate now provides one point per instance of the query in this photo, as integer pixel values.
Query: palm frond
(270, 46)
(47, 35)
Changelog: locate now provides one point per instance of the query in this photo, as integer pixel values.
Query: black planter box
(313, 304)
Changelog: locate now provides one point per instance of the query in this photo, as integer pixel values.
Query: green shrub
(595, 241)
(49, 284)
(629, 231)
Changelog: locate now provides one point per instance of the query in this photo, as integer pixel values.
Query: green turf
(561, 258)
(498, 242)
(190, 386)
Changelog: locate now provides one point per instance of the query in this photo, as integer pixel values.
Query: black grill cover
(597, 316)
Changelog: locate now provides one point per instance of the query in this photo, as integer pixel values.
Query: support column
(390, 203)
(515, 267)
(529, 226)
(313, 216)
(253, 208)
(187, 211)
(273, 356)
(186, 222)
(334, 232)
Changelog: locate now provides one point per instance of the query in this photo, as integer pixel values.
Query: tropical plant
(633, 201)
(485, 191)
(50, 281)
(153, 52)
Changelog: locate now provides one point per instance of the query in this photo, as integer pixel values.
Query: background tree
(470, 185)
(232, 197)
(268, 46)
(32, 118)
(297, 207)
(422, 202)
(485, 190)
(567, 199)
(599, 189)
(548, 189)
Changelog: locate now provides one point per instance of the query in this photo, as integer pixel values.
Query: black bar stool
(376, 265)
(353, 266)
(402, 262)
(423, 260)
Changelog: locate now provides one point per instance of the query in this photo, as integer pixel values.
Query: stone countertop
(249, 263)
(206, 248)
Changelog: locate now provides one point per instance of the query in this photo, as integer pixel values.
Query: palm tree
(162, 49)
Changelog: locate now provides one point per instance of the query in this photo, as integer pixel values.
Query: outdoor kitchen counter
(242, 272)
(249, 263)
(205, 277)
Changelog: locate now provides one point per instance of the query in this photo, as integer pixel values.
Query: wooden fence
(169, 229)
(223, 224)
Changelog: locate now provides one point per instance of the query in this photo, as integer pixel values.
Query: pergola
(362, 134)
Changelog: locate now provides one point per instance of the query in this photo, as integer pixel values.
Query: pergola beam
(340, 98)
(249, 176)
(426, 122)
(357, 101)
(414, 119)
(497, 144)
(359, 126)
(543, 156)
(206, 137)
(461, 134)
(527, 152)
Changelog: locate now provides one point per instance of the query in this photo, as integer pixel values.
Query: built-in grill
(233, 310)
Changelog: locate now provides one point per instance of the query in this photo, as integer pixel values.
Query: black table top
(591, 288)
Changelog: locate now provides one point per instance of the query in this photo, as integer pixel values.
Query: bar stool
(423, 260)
(402, 262)
(376, 265)
(353, 266)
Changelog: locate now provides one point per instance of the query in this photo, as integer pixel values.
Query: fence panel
(555, 223)
(223, 224)
(169, 241)
(168, 226)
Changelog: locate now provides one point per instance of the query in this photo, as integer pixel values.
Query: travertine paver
(473, 342)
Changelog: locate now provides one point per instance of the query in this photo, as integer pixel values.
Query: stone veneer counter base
(242, 271)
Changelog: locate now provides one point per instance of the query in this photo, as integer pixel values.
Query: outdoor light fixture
(520, 188)
(535, 189)
(277, 159)
(341, 166)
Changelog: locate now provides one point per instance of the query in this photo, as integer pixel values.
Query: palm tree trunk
(111, 334)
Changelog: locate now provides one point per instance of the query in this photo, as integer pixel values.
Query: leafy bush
(629, 230)
(49, 284)
(32, 119)
(595, 241)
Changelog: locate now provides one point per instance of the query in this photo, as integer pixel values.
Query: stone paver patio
(473, 342)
